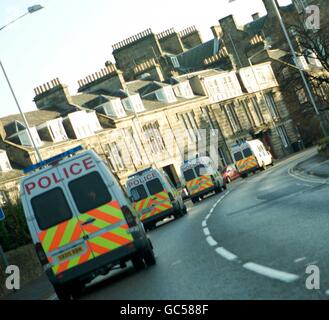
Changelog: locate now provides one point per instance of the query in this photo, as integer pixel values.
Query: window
(153, 134)
(206, 114)
(51, 208)
(89, 192)
(233, 119)
(283, 136)
(238, 156)
(247, 153)
(115, 156)
(154, 186)
(272, 105)
(184, 90)
(134, 146)
(200, 169)
(175, 62)
(190, 125)
(248, 113)
(138, 193)
(257, 110)
(189, 175)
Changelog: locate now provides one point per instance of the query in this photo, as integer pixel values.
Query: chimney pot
(256, 16)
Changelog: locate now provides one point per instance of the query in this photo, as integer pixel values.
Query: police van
(250, 156)
(201, 178)
(80, 220)
(154, 196)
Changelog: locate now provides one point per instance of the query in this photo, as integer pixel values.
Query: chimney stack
(217, 31)
(256, 16)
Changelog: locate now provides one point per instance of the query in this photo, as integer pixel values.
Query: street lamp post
(30, 10)
(306, 84)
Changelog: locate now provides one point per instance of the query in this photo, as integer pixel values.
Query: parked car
(230, 173)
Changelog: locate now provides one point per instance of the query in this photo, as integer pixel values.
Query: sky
(72, 39)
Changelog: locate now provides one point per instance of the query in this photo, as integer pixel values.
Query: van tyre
(63, 292)
(194, 200)
(149, 257)
(138, 263)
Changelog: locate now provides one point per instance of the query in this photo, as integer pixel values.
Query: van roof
(45, 165)
(51, 160)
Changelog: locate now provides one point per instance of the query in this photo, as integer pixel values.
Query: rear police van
(154, 197)
(244, 159)
(80, 220)
(201, 178)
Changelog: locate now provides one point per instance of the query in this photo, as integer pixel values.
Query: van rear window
(51, 208)
(154, 186)
(189, 175)
(247, 153)
(238, 156)
(200, 170)
(89, 192)
(138, 193)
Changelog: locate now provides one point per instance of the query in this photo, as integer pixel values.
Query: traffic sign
(2, 214)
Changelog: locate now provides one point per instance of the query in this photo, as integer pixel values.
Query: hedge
(13, 230)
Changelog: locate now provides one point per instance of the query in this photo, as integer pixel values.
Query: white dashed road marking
(206, 232)
(226, 254)
(251, 266)
(271, 273)
(300, 259)
(212, 242)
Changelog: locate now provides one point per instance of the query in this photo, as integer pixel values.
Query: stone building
(163, 48)
(148, 122)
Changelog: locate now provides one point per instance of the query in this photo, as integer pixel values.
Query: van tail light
(41, 254)
(131, 219)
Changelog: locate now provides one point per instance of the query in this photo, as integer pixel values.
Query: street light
(306, 84)
(30, 10)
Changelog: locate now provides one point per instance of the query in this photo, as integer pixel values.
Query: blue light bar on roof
(52, 159)
(139, 173)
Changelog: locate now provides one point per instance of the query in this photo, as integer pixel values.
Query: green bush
(13, 230)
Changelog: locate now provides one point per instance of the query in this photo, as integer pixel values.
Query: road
(252, 242)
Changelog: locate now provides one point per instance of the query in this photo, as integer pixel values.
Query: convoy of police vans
(201, 178)
(83, 224)
(154, 197)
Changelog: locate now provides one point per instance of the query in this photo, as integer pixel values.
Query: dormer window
(112, 108)
(133, 103)
(184, 90)
(166, 94)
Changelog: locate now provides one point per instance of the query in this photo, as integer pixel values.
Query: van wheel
(194, 200)
(218, 189)
(225, 186)
(149, 257)
(138, 263)
(185, 209)
(76, 290)
(63, 292)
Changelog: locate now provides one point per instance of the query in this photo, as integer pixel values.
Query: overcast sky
(70, 39)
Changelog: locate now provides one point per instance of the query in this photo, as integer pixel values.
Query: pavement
(251, 242)
(315, 165)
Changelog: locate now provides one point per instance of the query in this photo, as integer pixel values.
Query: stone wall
(26, 259)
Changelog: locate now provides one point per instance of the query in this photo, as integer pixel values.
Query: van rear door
(99, 212)
(57, 225)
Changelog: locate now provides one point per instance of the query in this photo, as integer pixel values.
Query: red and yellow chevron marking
(199, 184)
(158, 203)
(73, 230)
(246, 164)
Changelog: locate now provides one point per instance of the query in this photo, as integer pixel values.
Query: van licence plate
(70, 253)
